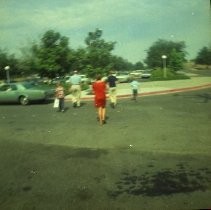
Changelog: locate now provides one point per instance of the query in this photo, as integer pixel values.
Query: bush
(157, 75)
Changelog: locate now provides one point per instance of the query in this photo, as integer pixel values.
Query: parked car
(136, 73)
(84, 78)
(123, 77)
(56, 80)
(23, 93)
(145, 74)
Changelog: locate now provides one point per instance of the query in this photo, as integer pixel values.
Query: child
(60, 95)
(135, 86)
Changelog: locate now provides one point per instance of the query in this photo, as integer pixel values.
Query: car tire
(23, 100)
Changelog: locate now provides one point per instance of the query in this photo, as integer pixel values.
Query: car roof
(15, 83)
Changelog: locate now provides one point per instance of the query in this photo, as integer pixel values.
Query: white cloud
(134, 24)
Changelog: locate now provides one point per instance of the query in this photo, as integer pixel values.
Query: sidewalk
(156, 87)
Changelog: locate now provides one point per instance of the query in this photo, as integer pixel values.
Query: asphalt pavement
(151, 154)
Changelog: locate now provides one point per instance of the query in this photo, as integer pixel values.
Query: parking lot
(151, 154)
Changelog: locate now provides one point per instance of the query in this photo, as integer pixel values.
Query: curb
(161, 92)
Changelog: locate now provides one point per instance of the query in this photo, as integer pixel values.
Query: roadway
(152, 154)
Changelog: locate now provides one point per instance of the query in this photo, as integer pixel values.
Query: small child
(60, 95)
(135, 86)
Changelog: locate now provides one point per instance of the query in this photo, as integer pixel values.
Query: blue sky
(134, 24)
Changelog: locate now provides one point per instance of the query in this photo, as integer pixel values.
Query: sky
(133, 24)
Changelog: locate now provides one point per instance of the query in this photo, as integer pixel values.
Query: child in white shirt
(135, 86)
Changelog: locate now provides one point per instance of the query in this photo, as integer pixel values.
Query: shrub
(157, 74)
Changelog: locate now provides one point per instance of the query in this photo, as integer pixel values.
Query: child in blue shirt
(135, 86)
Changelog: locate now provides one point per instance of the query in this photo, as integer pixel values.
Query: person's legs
(101, 104)
(78, 96)
(61, 100)
(135, 93)
(112, 96)
(100, 115)
(73, 97)
(103, 113)
(60, 105)
(132, 95)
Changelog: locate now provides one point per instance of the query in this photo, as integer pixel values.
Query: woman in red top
(99, 89)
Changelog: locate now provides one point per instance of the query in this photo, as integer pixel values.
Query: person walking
(99, 89)
(135, 86)
(75, 89)
(59, 91)
(111, 80)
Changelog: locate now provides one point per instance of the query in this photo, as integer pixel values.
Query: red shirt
(99, 88)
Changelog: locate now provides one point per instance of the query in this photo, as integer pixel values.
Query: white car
(84, 78)
(122, 77)
(136, 73)
(145, 74)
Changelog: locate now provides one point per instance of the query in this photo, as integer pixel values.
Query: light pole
(164, 57)
(7, 68)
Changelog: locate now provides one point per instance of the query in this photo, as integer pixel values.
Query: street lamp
(164, 57)
(7, 68)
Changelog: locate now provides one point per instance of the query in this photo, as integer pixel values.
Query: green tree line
(53, 56)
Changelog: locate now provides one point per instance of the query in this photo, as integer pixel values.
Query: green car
(23, 93)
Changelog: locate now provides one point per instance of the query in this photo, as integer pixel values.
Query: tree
(28, 60)
(3, 62)
(176, 60)
(51, 56)
(8, 60)
(138, 65)
(120, 64)
(204, 56)
(98, 54)
(78, 59)
(175, 52)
